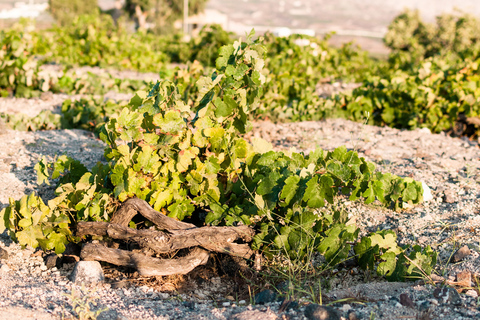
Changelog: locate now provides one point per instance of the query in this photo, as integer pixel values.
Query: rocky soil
(32, 287)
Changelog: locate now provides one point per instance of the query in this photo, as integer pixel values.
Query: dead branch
(146, 266)
(218, 239)
(168, 236)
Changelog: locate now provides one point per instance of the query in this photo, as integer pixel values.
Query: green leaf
(318, 191)
(160, 199)
(180, 210)
(240, 149)
(224, 56)
(129, 122)
(366, 253)
(137, 100)
(212, 166)
(334, 246)
(388, 265)
(170, 123)
(267, 184)
(185, 158)
(57, 241)
(410, 192)
(261, 146)
(24, 223)
(290, 189)
(42, 172)
(4, 218)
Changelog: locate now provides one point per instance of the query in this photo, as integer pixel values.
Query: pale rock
(472, 293)
(427, 193)
(87, 272)
(4, 269)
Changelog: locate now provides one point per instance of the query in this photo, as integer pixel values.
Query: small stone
(402, 229)
(472, 293)
(352, 315)
(242, 302)
(53, 261)
(427, 193)
(461, 254)
(226, 303)
(464, 279)
(87, 272)
(189, 304)
(3, 254)
(265, 296)
(406, 301)
(346, 307)
(4, 268)
(447, 295)
(318, 312)
(448, 196)
(254, 315)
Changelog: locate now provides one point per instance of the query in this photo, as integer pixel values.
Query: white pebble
(472, 293)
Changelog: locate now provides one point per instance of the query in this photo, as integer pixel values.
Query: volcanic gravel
(448, 166)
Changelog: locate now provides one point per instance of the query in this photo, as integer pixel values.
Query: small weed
(82, 303)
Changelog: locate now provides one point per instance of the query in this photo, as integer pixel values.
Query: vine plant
(191, 162)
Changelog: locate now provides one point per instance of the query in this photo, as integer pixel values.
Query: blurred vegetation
(454, 35)
(65, 11)
(430, 79)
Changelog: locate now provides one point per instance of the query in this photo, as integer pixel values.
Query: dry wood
(218, 239)
(146, 266)
(171, 236)
(135, 205)
(474, 120)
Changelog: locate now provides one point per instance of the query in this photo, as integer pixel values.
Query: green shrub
(186, 160)
(437, 95)
(413, 40)
(18, 69)
(95, 40)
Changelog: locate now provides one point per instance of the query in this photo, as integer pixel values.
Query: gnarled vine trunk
(168, 236)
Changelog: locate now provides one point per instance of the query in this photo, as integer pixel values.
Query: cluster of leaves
(95, 40)
(30, 222)
(96, 84)
(189, 161)
(81, 196)
(202, 48)
(437, 96)
(87, 113)
(413, 40)
(21, 76)
(283, 196)
(297, 65)
(394, 262)
(18, 69)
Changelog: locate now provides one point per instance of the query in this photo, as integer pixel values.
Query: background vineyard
(178, 142)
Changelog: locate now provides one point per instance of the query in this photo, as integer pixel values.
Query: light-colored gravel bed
(449, 166)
